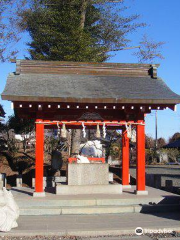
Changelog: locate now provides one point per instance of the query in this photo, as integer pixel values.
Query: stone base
(126, 187)
(88, 189)
(141, 192)
(39, 194)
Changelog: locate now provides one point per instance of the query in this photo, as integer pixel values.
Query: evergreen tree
(2, 112)
(77, 30)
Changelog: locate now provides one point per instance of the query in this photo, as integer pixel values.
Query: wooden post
(39, 168)
(125, 159)
(140, 170)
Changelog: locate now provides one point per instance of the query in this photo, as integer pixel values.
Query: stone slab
(60, 179)
(93, 225)
(141, 192)
(88, 189)
(98, 210)
(39, 194)
(126, 187)
(173, 238)
(88, 174)
(111, 177)
(40, 211)
(1, 184)
(95, 209)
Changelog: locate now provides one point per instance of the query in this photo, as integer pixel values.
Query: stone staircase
(97, 206)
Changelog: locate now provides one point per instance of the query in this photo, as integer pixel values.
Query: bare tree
(149, 50)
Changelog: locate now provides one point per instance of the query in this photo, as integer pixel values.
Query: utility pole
(156, 130)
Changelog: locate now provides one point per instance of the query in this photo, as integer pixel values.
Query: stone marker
(19, 181)
(3, 179)
(150, 180)
(157, 181)
(110, 177)
(169, 185)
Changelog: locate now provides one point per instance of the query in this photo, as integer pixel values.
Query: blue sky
(163, 20)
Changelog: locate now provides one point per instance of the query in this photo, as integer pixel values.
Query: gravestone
(150, 180)
(3, 179)
(56, 160)
(169, 185)
(157, 181)
(19, 181)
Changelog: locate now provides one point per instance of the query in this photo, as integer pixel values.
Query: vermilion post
(39, 172)
(140, 175)
(125, 158)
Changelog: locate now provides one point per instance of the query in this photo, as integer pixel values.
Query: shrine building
(83, 95)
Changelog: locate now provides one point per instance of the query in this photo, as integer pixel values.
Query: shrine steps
(98, 205)
(99, 209)
(127, 202)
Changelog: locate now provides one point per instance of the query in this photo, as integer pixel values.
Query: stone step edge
(100, 210)
(102, 206)
(88, 202)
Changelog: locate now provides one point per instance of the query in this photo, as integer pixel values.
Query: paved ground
(93, 225)
(26, 194)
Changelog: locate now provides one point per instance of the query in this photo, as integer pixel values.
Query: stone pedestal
(88, 178)
(88, 174)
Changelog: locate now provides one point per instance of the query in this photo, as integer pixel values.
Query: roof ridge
(86, 68)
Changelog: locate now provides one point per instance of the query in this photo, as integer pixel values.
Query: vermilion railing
(91, 159)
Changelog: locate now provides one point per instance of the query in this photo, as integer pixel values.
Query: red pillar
(125, 159)
(140, 171)
(39, 168)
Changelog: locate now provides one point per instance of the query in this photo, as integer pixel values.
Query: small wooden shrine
(82, 95)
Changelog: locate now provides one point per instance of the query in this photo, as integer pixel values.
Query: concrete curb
(78, 233)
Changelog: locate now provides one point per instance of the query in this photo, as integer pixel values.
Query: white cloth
(81, 159)
(9, 213)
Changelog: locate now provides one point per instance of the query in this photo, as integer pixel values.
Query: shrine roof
(88, 83)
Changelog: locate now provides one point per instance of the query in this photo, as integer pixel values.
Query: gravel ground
(151, 236)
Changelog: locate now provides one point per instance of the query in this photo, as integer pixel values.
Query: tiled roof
(82, 86)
